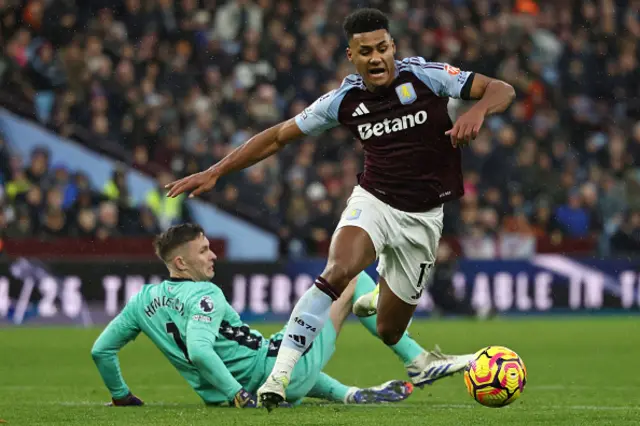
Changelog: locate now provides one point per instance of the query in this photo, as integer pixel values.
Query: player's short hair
(174, 237)
(364, 21)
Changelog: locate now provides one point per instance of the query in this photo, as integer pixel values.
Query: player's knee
(388, 333)
(96, 352)
(337, 275)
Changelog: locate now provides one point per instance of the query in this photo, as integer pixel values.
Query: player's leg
(393, 314)
(421, 365)
(428, 366)
(350, 252)
(341, 308)
(308, 369)
(406, 349)
(308, 380)
(330, 389)
(404, 270)
(353, 247)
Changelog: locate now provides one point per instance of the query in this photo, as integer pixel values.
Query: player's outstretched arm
(118, 333)
(494, 96)
(256, 149)
(315, 119)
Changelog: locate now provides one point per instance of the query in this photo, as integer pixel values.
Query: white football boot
(272, 392)
(430, 366)
(366, 305)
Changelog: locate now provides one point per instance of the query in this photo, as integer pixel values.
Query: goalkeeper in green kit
(188, 318)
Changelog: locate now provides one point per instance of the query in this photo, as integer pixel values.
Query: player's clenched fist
(129, 400)
(197, 183)
(466, 128)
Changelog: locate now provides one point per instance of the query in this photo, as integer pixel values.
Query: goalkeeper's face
(198, 259)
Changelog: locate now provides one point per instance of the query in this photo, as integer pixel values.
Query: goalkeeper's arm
(200, 339)
(118, 333)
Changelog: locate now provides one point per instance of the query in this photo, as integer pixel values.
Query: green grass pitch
(582, 371)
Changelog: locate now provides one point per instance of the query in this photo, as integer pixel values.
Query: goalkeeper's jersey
(184, 319)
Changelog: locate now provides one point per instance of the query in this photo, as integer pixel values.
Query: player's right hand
(197, 183)
(244, 399)
(466, 127)
(129, 400)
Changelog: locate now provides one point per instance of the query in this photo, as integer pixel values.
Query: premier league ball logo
(206, 304)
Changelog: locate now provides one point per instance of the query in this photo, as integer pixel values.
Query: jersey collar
(179, 280)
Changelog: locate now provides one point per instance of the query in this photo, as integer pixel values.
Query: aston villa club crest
(354, 214)
(406, 93)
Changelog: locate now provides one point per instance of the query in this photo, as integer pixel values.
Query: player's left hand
(466, 128)
(244, 399)
(127, 401)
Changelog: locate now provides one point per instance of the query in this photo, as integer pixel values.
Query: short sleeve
(443, 79)
(321, 115)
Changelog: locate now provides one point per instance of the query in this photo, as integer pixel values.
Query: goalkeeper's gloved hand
(244, 399)
(129, 400)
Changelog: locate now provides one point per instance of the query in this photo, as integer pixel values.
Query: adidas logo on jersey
(387, 126)
(361, 110)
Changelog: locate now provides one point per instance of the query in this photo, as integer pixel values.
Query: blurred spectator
(117, 189)
(148, 223)
(627, 238)
(18, 185)
(572, 217)
(108, 220)
(22, 226)
(38, 169)
(54, 223)
(57, 202)
(442, 291)
(85, 226)
(167, 211)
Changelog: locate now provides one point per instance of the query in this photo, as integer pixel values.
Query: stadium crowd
(52, 201)
(180, 83)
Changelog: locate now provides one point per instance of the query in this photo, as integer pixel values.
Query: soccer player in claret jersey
(398, 109)
(188, 318)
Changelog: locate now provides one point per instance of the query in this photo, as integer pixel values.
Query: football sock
(328, 388)
(306, 321)
(407, 349)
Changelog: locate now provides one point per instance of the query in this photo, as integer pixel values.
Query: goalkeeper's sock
(328, 388)
(407, 349)
(306, 321)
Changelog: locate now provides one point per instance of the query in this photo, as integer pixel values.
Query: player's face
(373, 55)
(199, 259)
